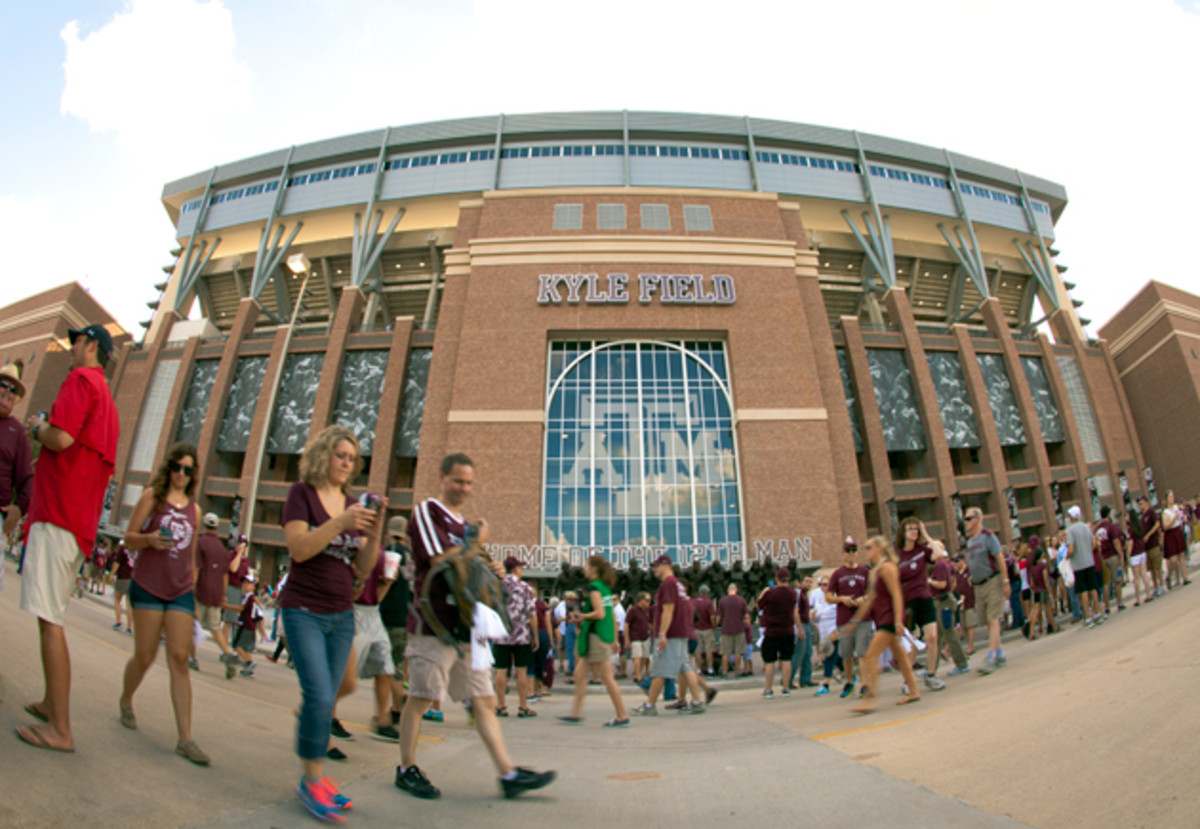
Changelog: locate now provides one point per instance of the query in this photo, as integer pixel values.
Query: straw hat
(12, 374)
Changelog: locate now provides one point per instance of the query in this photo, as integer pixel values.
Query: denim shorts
(142, 599)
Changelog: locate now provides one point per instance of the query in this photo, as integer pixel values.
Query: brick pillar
(1127, 415)
(841, 441)
(938, 451)
(989, 451)
(383, 460)
(993, 317)
(345, 320)
(243, 323)
(873, 438)
(255, 446)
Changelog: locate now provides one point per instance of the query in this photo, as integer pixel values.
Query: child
(248, 619)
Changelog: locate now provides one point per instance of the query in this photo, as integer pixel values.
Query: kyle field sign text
(616, 289)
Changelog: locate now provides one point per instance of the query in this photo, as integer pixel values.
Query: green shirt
(605, 628)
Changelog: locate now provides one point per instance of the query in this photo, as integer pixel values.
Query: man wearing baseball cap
(1081, 544)
(78, 455)
(212, 583)
(515, 650)
(672, 627)
(16, 470)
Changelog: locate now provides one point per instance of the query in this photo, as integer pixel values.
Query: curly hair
(161, 482)
(314, 463)
(902, 532)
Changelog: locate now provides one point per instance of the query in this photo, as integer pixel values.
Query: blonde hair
(314, 463)
(886, 551)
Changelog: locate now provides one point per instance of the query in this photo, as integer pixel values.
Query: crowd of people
(415, 607)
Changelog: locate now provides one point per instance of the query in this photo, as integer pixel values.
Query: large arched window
(640, 447)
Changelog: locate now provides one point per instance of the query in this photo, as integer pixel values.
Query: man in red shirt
(79, 450)
(673, 626)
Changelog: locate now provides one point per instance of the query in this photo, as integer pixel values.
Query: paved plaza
(1085, 728)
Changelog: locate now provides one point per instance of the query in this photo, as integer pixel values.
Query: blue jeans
(320, 647)
(569, 645)
(1075, 610)
(1014, 601)
(802, 657)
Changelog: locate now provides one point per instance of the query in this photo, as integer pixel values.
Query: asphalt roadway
(1085, 728)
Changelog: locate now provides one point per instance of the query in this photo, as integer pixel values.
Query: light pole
(298, 264)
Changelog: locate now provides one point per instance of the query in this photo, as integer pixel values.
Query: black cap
(94, 332)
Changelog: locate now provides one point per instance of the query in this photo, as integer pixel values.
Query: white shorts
(52, 559)
(1138, 560)
(640, 650)
(372, 645)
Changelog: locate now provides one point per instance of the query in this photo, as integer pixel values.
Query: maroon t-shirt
(434, 529)
(236, 577)
(883, 610)
(731, 609)
(542, 609)
(777, 606)
(1037, 576)
(852, 583)
(167, 574)
(964, 588)
(1137, 546)
(943, 572)
(370, 591)
(325, 582)
(914, 572)
(804, 609)
(1149, 519)
(671, 592)
(704, 613)
(637, 622)
(212, 561)
(1106, 533)
(251, 613)
(125, 560)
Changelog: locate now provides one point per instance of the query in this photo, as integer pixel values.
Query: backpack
(468, 580)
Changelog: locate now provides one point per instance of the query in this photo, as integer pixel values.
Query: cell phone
(371, 501)
(165, 533)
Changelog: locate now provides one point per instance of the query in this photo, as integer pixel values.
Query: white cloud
(162, 75)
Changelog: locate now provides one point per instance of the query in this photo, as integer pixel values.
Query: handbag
(1067, 572)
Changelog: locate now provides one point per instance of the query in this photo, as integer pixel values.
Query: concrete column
(243, 323)
(346, 319)
(990, 451)
(993, 317)
(938, 449)
(383, 457)
(873, 437)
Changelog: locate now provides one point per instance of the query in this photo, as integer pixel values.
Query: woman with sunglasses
(885, 604)
(915, 553)
(162, 588)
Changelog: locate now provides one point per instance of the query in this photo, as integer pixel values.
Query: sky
(105, 101)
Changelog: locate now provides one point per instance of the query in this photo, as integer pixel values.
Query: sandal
(502, 711)
(525, 712)
(571, 720)
(127, 718)
(617, 723)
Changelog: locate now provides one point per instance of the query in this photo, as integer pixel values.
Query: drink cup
(391, 564)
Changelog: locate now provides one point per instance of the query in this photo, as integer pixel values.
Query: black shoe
(385, 732)
(395, 717)
(413, 781)
(710, 695)
(338, 730)
(335, 753)
(526, 781)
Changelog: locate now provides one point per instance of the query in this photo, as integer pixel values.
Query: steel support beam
(625, 146)
(970, 254)
(431, 299)
(498, 147)
(1045, 274)
(754, 181)
(270, 258)
(188, 275)
(955, 297)
(262, 265)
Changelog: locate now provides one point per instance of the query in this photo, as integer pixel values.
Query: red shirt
(671, 592)
(914, 573)
(212, 560)
(433, 529)
(777, 606)
(704, 613)
(68, 486)
(325, 582)
(850, 582)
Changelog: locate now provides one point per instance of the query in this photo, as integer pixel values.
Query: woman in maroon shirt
(915, 554)
(332, 539)
(885, 604)
(162, 585)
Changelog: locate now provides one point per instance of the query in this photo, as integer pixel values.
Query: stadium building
(724, 338)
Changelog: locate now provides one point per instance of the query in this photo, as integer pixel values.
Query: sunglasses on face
(175, 466)
(8, 387)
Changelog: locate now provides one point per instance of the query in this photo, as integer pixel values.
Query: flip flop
(37, 713)
(28, 735)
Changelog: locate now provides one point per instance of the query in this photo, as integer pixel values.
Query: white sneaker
(934, 684)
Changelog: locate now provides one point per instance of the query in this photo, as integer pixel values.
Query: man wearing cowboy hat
(16, 470)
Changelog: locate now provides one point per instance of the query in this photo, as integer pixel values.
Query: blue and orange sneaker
(317, 799)
(340, 800)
